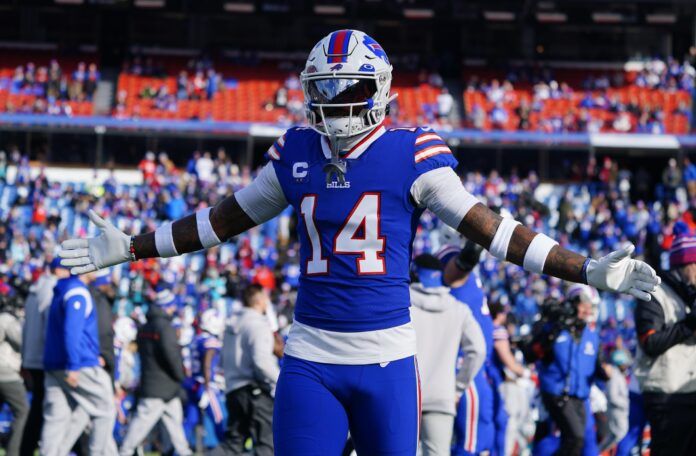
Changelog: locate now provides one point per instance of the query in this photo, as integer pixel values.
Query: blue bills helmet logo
(336, 67)
(375, 48)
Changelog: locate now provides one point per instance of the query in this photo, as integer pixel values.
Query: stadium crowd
(656, 99)
(600, 208)
(48, 89)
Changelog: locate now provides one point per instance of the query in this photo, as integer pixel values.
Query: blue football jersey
(201, 344)
(356, 236)
(471, 293)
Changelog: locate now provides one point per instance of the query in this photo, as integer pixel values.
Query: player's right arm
(262, 200)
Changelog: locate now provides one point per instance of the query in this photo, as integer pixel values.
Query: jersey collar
(357, 150)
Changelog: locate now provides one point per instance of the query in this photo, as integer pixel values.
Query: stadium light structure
(551, 17)
(661, 18)
(418, 13)
(235, 7)
(149, 3)
(499, 16)
(329, 9)
(607, 18)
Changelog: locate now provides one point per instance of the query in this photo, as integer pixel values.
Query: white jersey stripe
(273, 153)
(427, 137)
(431, 151)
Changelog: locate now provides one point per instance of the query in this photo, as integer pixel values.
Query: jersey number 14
(359, 235)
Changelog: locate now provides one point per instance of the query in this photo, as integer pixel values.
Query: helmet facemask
(345, 105)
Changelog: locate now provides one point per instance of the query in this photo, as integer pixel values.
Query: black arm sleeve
(654, 336)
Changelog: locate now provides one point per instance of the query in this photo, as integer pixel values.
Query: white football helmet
(586, 293)
(212, 322)
(346, 84)
(125, 331)
(449, 236)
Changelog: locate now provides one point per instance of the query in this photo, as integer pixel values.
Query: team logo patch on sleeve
(429, 144)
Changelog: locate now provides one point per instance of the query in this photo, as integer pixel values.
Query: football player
(205, 367)
(359, 189)
(474, 426)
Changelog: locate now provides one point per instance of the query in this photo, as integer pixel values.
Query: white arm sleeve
(441, 191)
(263, 199)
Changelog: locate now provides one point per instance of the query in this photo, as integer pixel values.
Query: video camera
(563, 314)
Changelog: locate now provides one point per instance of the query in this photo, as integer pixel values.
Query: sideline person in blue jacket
(567, 348)
(78, 389)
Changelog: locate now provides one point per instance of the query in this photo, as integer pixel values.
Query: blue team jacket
(72, 340)
(573, 366)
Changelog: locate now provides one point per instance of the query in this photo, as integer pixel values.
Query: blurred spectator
(666, 326)
(671, 179)
(495, 92)
(444, 326)
(251, 373)
(101, 289)
(689, 174)
(73, 374)
(3, 166)
(204, 167)
(36, 310)
(499, 116)
(281, 97)
(162, 374)
(445, 103)
(12, 391)
(148, 167)
(523, 112)
(617, 398)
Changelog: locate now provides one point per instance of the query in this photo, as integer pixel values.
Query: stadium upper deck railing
(241, 130)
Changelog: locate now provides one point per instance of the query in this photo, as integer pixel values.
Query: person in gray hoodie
(443, 325)
(251, 373)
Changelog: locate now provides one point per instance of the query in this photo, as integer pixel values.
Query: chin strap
(336, 167)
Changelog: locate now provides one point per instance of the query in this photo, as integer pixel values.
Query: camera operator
(567, 349)
(666, 364)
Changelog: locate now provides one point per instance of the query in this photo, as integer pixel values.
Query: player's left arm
(227, 219)
(501, 345)
(207, 366)
(441, 191)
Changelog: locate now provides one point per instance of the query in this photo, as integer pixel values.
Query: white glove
(204, 401)
(111, 247)
(619, 272)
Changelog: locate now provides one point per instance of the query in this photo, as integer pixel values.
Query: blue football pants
(316, 404)
(474, 426)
